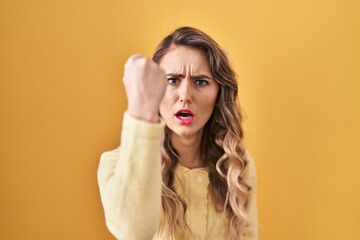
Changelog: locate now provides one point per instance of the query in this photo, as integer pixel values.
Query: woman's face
(191, 94)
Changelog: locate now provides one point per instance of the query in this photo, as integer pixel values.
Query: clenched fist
(145, 84)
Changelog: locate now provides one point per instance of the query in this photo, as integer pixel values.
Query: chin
(186, 130)
(183, 133)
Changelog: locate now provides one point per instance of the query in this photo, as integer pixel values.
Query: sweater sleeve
(129, 179)
(251, 232)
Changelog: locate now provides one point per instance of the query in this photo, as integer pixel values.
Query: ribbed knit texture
(129, 179)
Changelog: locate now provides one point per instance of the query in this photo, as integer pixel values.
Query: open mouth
(185, 116)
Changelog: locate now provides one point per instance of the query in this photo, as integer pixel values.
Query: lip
(187, 120)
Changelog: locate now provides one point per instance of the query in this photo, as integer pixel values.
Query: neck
(188, 149)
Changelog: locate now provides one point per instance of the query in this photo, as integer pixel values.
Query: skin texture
(145, 85)
(190, 86)
(182, 80)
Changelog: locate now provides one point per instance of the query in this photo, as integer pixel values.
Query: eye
(201, 83)
(173, 81)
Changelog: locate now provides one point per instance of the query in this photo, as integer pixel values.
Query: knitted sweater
(129, 179)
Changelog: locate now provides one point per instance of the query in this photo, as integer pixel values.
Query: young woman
(182, 170)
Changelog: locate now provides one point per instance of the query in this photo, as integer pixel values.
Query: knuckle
(132, 59)
(142, 61)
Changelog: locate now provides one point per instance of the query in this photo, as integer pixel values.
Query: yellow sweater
(129, 179)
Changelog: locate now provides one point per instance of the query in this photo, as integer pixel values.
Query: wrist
(145, 115)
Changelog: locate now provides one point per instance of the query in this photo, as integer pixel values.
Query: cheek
(209, 107)
(164, 107)
(211, 100)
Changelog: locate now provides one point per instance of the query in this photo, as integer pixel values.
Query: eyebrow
(196, 76)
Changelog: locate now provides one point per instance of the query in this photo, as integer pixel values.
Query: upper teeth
(185, 117)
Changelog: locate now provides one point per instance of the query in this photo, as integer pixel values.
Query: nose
(185, 92)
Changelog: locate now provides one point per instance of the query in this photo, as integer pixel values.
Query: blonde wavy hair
(222, 148)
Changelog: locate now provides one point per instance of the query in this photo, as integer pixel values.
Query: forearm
(130, 181)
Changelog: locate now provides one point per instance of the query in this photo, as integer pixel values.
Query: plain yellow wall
(62, 100)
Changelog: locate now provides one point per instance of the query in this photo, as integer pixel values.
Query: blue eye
(173, 81)
(201, 83)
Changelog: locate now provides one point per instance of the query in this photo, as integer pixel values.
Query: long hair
(222, 146)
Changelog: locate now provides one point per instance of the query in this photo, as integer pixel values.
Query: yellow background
(62, 100)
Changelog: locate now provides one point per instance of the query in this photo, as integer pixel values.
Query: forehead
(180, 59)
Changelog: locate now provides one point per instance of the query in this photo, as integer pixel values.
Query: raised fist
(145, 84)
